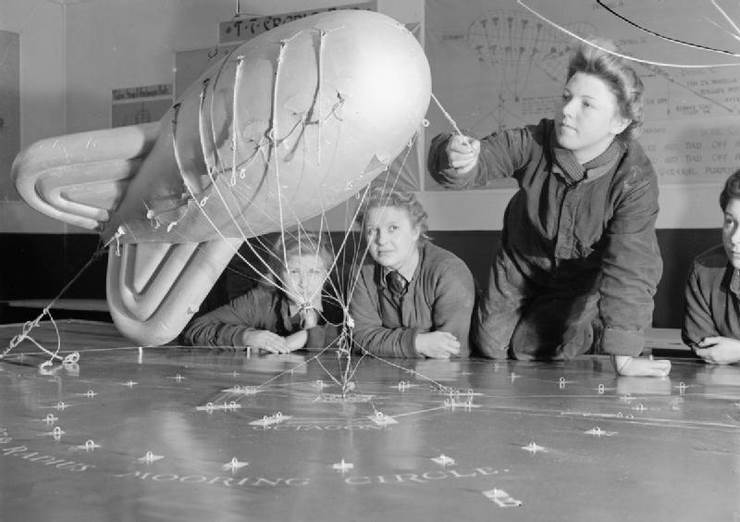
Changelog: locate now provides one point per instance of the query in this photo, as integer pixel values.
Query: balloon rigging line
(436, 384)
(363, 256)
(300, 365)
(210, 162)
(272, 133)
(335, 292)
(218, 160)
(216, 188)
(664, 37)
(360, 260)
(178, 162)
(235, 131)
(211, 169)
(330, 374)
(341, 283)
(360, 206)
(319, 83)
(447, 115)
(210, 173)
(316, 254)
(348, 371)
(727, 18)
(621, 55)
(28, 326)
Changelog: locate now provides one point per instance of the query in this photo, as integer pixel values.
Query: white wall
(695, 206)
(66, 86)
(40, 24)
(127, 43)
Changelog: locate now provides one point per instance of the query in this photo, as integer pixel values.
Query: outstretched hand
(462, 153)
(719, 350)
(437, 345)
(641, 366)
(265, 340)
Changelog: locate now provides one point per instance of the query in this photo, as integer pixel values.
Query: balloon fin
(154, 289)
(80, 178)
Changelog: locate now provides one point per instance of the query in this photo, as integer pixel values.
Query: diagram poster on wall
(502, 64)
(136, 105)
(10, 141)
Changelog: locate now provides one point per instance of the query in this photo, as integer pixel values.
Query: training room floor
(174, 433)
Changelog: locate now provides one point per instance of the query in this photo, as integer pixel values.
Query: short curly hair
(378, 197)
(730, 191)
(299, 243)
(595, 59)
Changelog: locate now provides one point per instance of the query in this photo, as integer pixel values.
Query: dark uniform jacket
(712, 298)
(570, 230)
(440, 296)
(261, 308)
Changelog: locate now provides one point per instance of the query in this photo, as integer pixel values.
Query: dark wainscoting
(678, 248)
(38, 266)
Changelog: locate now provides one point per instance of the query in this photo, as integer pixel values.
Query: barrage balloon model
(289, 124)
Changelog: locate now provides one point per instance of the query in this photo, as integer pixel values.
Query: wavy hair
(383, 197)
(298, 243)
(731, 190)
(621, 79)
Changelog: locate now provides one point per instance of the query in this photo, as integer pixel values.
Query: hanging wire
(621, 55)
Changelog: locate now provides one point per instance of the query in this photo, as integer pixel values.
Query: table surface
(184, 434)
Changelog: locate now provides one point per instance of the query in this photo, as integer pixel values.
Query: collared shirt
(561, 225)
(712, 305)
(440, 296)
(385, 271)
(407, 271)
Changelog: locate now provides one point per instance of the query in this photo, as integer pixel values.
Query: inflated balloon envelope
(288, 125)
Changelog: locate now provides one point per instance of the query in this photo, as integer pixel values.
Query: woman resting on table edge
(414, 299)
(288, 312)
(579, 262)
(711, 324)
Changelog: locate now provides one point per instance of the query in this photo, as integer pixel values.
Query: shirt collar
(565, 163)
(384, 271)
